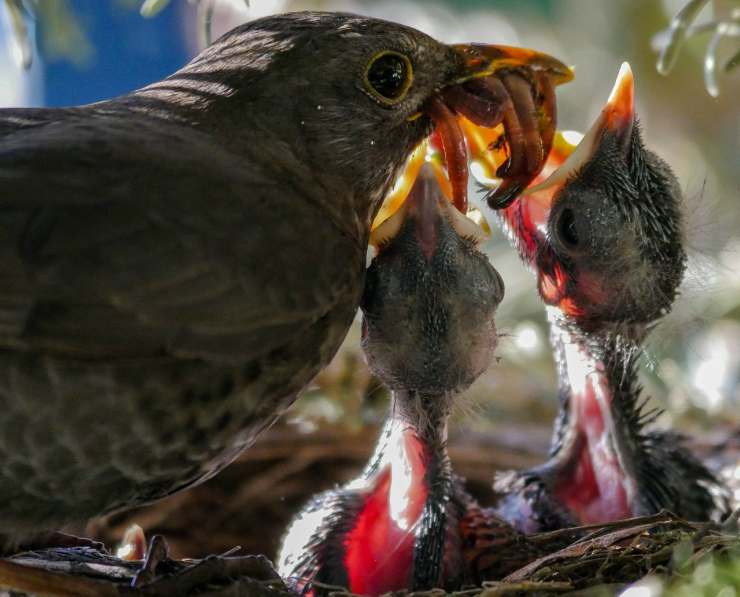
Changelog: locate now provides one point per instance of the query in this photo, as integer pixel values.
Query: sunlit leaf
(151, 8)
(207, 6)
(710, 62)
(670, 41)
(62, 33)
(677, 34)
(22, 50)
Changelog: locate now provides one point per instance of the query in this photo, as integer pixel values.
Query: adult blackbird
(604, 236)
(177, 263)
(428, 333)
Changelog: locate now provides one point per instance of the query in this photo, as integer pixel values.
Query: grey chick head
(604, 231)
(430, 297)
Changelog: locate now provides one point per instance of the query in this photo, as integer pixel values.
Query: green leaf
(733, 62)
(62, 34)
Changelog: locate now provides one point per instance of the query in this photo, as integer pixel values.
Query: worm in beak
(497, 85)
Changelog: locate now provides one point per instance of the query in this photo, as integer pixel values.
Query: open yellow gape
(487, 152)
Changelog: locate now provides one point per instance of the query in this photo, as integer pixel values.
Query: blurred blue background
(89, 50)
(125, 51)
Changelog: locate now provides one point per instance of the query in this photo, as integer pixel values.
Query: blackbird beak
(617, 118)
(486, 105)
(479, 60)
(425, 218)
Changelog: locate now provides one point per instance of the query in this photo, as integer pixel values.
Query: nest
(251, 502)
(614, 555)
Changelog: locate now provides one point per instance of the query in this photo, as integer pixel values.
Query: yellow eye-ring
(388, 76)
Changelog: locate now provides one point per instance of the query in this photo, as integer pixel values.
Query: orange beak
(480, 60)
(474, 61)
(425, 205)
(527, 217)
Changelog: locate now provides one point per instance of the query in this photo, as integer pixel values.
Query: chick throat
(399, 536)
(592, 447)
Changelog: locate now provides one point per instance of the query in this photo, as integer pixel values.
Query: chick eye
(566, 229)
(388, 76)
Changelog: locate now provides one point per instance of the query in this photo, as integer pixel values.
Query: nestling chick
(604, 236)
(428, 333)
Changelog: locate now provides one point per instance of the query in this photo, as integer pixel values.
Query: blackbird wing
(12, 120)
(132, 237)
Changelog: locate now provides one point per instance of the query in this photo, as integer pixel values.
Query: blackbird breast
(78, 439)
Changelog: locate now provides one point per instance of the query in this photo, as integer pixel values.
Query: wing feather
(130, 236)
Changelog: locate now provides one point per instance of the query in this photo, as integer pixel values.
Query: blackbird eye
(566, 229)
(388, 76)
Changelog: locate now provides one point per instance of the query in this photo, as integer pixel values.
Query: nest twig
(85, 572)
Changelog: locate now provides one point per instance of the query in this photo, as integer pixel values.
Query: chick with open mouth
(604, 236)
(428, 333)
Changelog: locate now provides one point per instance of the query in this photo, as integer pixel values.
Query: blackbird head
(341, 96)
(604, 231)
(430, 297)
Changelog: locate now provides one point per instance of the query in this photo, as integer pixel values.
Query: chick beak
(477, 61)
(424, 217)
(616, 119)
(527, 217)
(425, 210)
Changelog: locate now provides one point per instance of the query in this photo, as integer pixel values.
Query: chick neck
(398, 537)
(597, 436)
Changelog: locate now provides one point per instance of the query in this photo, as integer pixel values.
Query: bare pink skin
(380, 547)
(596, 488)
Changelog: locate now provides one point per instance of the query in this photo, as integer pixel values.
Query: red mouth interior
(526, 217)
(593, 485)
(379, 550)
